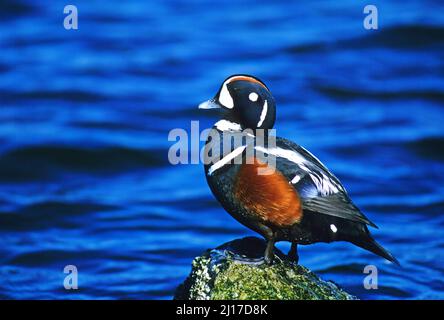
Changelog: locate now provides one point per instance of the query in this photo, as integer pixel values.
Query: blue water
(85, 116)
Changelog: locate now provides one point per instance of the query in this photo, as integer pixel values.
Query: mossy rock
(236, 271)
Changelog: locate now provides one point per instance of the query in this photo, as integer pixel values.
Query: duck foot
(293, 253)
(269, 252)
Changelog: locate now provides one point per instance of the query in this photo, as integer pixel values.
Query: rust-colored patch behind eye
(271, 197)
(246, 78)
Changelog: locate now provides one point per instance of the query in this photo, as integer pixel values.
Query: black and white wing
(319, 189)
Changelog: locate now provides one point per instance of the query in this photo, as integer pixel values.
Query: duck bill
(209, 104)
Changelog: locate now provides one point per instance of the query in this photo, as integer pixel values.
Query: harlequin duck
(293, 198)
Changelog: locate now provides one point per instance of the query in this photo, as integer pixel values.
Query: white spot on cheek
(253, 96)
(333, 228)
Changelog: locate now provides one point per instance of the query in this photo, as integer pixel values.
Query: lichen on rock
(236, 271)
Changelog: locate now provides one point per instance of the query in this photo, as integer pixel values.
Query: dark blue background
(85, 116)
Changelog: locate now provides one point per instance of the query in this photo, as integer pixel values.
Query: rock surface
(236, 270)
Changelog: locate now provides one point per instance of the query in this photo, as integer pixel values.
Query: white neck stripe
(219, 164)
(225, 125)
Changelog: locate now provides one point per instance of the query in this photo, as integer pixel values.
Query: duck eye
(253, 96)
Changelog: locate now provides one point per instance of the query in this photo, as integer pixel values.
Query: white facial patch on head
(225, 97)
(253, 96)
(263, 114)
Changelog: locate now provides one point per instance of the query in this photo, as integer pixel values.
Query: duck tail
(368, 243)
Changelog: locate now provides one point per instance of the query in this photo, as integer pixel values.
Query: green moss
(282, 281)
(216, 278)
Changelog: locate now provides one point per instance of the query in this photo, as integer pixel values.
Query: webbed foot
(293, 253)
